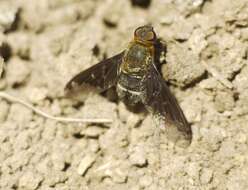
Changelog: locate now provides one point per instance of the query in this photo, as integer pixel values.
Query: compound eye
(150, 36)
(145, 33)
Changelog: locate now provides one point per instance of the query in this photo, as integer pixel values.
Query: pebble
(58, 161)
(206, 175)
(20, 43)
(192, 107)
(4, 110)
(224, 104)
(197, 3)
(92, 131)
(116, 170)
(30, 180)
(211, 83)
(138, 157)
(23, 141)
(36, 95)
(145, 181)
(119, 176)
(85, 164)
(93, 145)
(112, 16)
(18, 71)
(8, 14)
(54, 177)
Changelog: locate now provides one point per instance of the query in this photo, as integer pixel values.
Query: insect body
(137, 79)
(132, 73)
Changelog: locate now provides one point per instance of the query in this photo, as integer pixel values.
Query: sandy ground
(44, 43)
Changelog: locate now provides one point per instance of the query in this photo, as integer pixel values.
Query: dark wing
(101, 76)
(160, 101)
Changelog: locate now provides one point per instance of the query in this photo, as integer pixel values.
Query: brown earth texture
(44, 43)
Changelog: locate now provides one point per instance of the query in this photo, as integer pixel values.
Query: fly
(134, 73)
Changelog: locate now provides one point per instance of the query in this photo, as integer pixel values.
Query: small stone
(85, 164)
(117, 170)
(93, 145)
(197, 41)
(4, 110)
(30, 180)
(8, 14)
(192, 107)
(119, 175)
(206, 176)
(112, 16)
(23, 141)
(224, 101)
(55, 108)
(182, 29)
(58, 161)
(135, 187)
(145, 181)
(197, 3)
(114, 138)
(244, 33)
(211, 83)
(92, 131)
(3, 84)
(225, 63)
(54, 177)
(36, 95)
(17, 70)
(241, 81)
(138, 157)
(20, 43)
(241, 138)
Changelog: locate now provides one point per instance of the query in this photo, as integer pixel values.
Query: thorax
(137, 59)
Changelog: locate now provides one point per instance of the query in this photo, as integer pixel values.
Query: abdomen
(129, 88)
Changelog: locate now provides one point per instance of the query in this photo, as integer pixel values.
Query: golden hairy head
(145, 34)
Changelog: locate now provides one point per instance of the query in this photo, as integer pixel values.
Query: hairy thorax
(137, 59)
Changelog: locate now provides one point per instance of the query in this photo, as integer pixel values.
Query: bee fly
(137, 79)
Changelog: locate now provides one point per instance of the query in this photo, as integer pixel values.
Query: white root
(13, 99)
